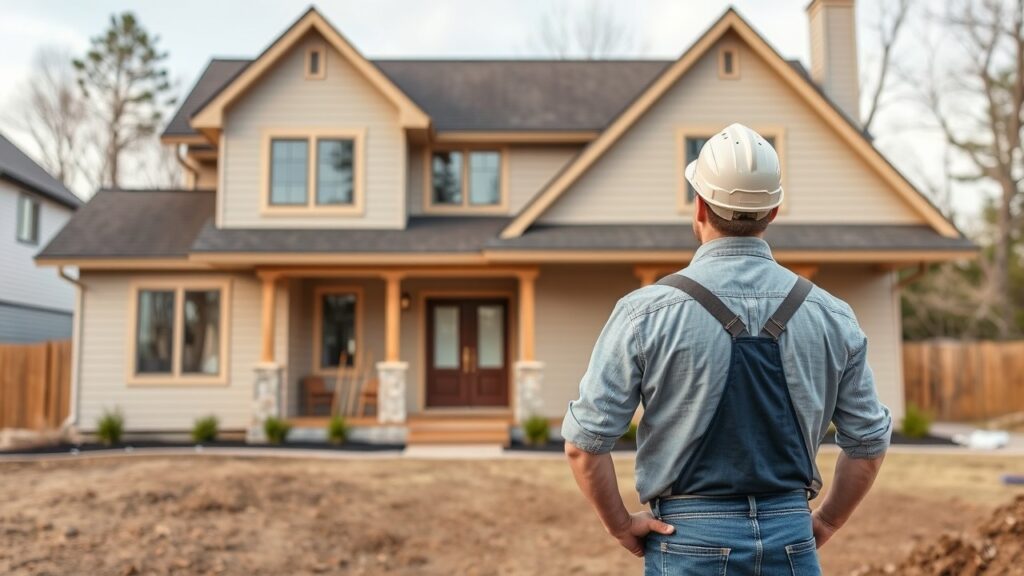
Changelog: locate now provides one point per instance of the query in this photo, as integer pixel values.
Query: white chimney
(834, 53)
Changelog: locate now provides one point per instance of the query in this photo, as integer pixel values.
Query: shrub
(110, 427)
(536, 429)
(276, 430)
(205, 429)
(916, 423)
(337, 430)
(630, 435)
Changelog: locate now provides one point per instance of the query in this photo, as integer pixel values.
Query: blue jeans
(763, 535)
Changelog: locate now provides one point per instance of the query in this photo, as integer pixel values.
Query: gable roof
(17, 167)
(482, 95)
(815, 99)
(209, 118)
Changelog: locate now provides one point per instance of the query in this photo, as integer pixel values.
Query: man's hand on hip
(823, 530)
(631, 535)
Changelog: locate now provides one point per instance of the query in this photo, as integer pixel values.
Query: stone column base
(391, 392)
(529, 375)
(266, 403)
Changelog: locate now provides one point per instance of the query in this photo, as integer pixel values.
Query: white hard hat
(737, 174)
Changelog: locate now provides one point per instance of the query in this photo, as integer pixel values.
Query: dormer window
(315, 63)
(728, 63)
(463, 179)
(317, 170)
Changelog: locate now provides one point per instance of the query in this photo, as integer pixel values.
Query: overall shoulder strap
(777, 323)
(730, 321)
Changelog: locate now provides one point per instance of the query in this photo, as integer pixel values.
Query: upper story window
(466, 180)
(316, 63)
(691, 140)
(28, 220)
(315, 170)
(728, 62)
(178, 333)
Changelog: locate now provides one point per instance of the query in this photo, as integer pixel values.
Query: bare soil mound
(996, 547)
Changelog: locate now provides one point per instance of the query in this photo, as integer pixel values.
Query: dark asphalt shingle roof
(126, 223)
(175, 223)
(781, 236)
(16, 166)
(475, 95)
(422, 234)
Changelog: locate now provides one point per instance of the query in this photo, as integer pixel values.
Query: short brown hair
(741, 227)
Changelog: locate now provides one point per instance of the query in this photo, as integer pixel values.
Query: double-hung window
(28, 220)
(178, 333)
(318, 170)
(465, 179)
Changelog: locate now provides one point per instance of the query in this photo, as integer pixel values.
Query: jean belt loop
(752, 501)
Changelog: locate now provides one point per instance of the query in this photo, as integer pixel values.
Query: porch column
(392, 372)
(529, 373)
(267, 377)
(646, 274)
(806, 270)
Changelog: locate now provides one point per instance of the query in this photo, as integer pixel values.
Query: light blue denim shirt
(661, 348)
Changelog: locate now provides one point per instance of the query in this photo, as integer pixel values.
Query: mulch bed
(68, 448)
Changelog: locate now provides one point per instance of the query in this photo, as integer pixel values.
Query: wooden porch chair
(316, 395)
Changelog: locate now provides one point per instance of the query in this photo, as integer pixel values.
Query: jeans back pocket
(803, 558)
(686, 560)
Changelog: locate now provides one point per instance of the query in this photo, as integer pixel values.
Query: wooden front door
(467, 352)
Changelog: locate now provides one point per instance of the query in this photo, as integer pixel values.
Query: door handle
(465, 359)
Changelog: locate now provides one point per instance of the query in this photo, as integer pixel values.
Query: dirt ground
(215, 515)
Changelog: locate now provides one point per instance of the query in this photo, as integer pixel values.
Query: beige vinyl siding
(106, 355)
(872, 295)
(284, 99)
(529, 169)
(638, 178)
(573, 304)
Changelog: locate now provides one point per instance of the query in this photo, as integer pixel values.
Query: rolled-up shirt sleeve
(610, 388)
(863, 423)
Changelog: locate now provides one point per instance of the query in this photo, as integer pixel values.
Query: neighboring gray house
(35, 303)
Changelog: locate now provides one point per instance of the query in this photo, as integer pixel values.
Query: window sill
(158, 381)
(305, 210)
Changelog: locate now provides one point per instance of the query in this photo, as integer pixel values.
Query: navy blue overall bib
(753, 445)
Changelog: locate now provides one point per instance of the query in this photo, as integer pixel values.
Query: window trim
(322, 72)
(313, 136)
(176, 377)
(318, 308)
(37, 218)
(429, 207)
(703, 131)
(733, 49)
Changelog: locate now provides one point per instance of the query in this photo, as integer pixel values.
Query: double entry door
(467, 352)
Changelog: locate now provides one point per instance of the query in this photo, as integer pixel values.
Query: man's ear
(773, 214)
(702, 210)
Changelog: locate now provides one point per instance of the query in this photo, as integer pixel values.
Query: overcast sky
(193, 31)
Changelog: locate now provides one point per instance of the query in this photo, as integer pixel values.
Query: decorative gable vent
(728, 62)
(316, 62)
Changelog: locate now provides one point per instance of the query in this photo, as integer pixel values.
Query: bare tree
(976, 98)
(891, 19)
(598, 30)
(53, 112)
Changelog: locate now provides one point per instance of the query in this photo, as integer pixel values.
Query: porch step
(457, 430)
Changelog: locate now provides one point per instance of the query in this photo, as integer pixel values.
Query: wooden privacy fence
(958, 381)
(35, 384)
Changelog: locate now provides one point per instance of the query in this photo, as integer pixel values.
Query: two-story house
(35, 303)
(461, 229)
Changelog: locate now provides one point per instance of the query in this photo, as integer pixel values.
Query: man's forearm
(595, 475)
(852, 480)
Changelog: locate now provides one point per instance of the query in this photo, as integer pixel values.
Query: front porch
(440, 354)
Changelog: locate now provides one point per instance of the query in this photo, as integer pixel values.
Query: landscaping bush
(630, 435)
(110, 427)
(916, 422)
(337, 430)
(276, 430)
(536, 430)
(205, 429)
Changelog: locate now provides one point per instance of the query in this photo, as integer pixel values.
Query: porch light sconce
(405, 301)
